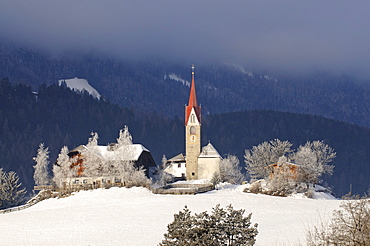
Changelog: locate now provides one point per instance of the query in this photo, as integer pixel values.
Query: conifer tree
(62, 169)
(163, 178)
(41, 175)
(93, 164)
(222, 227)
(11, 193)
(124, 137)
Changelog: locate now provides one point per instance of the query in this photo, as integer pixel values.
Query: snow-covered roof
(127, 153)
(209, 151)
(179, 157)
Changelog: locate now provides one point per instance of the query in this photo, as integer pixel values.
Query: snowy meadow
(136, 216)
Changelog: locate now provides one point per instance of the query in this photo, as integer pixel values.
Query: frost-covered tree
(41, 175)
(11, 193)
(260, 157)
(221, 227)
(312, 159)
(62, 168)
(350, 225)
(123, 166)
(230, 170)
(131, 175)
(124, 137)
(163, 177)
(124, 148)
(283, 179)
(92, 163)
(93, 140)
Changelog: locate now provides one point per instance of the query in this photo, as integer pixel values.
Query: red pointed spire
(193, 96)
(193, 103)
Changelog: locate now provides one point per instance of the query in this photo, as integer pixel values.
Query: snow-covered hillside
(121, 216)
(177, 78)
(80, 85)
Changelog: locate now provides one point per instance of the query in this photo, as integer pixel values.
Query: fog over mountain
(285, 35)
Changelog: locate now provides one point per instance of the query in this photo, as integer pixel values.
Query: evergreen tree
(162, 177)
(41, 176)
(92, 163)
(221, 227)
(11, 193)
(124, 138)
(62, 168)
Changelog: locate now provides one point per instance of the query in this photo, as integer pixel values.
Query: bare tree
(349, 226)
(230, 171)
(313, 159)
(263, 155)
(282, 181)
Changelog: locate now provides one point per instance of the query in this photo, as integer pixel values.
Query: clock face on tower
(193, 138)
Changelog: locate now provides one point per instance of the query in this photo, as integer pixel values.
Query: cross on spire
(193, 103)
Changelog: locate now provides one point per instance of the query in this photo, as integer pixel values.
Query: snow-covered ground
(80, 85)
(121, 216)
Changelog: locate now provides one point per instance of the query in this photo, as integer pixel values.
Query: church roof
(193, 103)
(209, 151)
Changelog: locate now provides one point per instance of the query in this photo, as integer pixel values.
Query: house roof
(179, 157)
(128, 152)
(209, 151)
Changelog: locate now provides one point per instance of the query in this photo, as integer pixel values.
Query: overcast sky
(277, 34)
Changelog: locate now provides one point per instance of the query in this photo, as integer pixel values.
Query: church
(197, 163)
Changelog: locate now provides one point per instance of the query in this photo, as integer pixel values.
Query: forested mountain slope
(157, 85)
(57, 116)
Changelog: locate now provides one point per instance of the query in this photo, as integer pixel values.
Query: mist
(294, 36)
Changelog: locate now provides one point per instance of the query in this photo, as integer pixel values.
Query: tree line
(57, 116)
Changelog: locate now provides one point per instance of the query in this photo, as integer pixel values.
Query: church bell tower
(192, 132)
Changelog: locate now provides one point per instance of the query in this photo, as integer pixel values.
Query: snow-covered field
(121, 216)
(80, 85)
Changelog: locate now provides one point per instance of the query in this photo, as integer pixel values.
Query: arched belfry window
(192, 130)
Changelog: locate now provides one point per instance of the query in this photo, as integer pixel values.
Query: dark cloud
(281, 35)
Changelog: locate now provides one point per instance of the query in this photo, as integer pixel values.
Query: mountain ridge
(221, 88)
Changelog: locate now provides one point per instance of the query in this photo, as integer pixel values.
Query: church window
(192, 118)
(192, 130)
(179, 165)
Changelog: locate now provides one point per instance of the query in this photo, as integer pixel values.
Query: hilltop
(135, 216)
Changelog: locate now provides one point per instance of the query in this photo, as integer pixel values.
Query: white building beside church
(197, 163)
